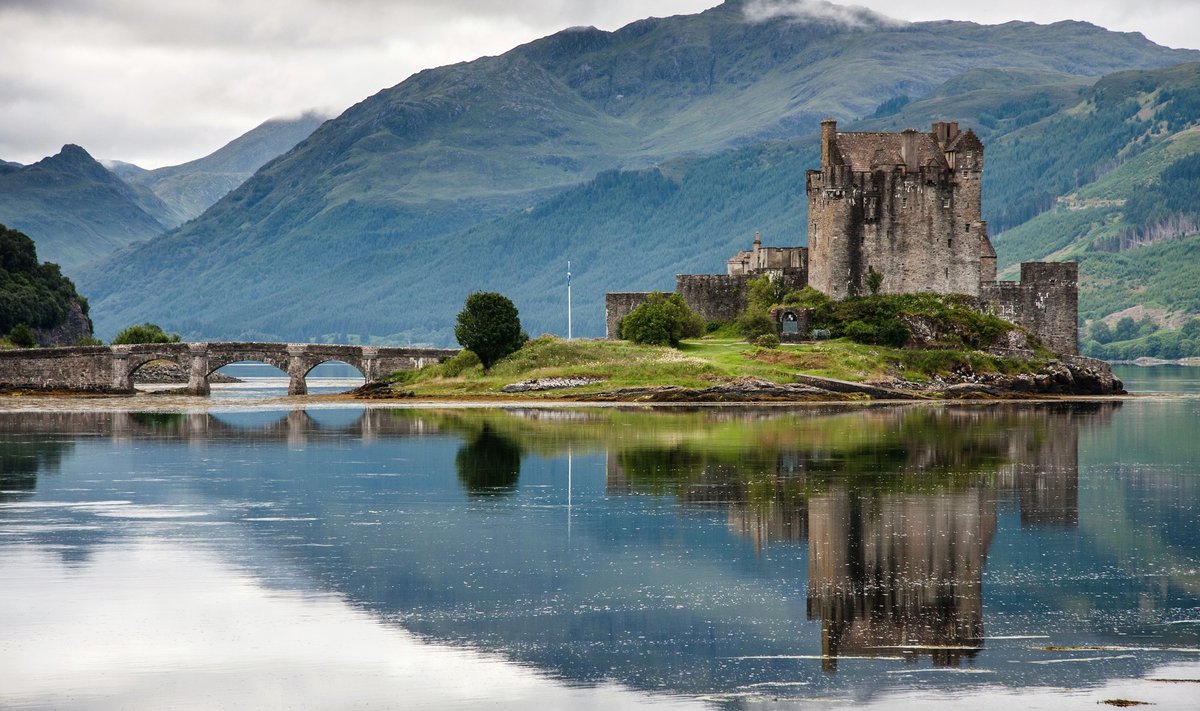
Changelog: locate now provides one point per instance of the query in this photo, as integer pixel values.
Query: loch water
(926, 556)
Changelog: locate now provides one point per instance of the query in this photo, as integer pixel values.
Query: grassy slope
(696, 364)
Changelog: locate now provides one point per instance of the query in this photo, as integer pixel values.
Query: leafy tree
(490, 327)
(661, 321)
(1125, 330)
(1101, 333)
(763, 292)
(144, 333)
(22, 336)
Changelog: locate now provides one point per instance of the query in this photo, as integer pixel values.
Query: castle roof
(864, 152)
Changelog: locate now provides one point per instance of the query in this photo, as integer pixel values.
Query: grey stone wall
(716, 297)
(82, 369)
(1045, 302)
(617, 305)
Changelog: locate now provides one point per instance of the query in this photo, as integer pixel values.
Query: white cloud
(854, 16)
(157, 83)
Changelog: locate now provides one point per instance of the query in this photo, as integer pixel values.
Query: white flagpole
(568, 300)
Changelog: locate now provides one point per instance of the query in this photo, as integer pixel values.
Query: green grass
(696, 363)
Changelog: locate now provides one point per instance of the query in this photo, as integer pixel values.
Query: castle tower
(905, 204)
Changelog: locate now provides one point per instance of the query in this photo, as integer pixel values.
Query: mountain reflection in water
(705, 552)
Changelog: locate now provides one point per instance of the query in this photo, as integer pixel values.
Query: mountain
(190, 188)
(9, 167)
(1119, 191)
(412, 176)
(76, 210)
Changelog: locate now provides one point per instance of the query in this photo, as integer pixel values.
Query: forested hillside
(35, 295)
(362, 215)
(1120, 193)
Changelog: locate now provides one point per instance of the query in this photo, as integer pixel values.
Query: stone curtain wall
(716, 297)
(111, 368)
(1045, 302)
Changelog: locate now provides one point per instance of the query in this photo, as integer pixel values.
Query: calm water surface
(1041, 556)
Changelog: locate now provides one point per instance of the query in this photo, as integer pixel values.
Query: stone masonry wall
(1045, 302)
(84, 369)
(716, 297)
(720, 297)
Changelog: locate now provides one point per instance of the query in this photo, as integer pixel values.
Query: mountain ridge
(453, 148)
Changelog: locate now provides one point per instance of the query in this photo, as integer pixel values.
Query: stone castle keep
(908, 206)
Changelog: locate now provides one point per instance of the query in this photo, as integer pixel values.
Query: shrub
(767, 340)
(22, 336)
(874, 280)
(463, 361)
(489, 326)
(754, 323)
(861, 332)
(808, 298)
(662, 320)
(894, 333)
(144, 333)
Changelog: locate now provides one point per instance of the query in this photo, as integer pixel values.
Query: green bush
(754, 323)
(887, 332)
(861, 332)
(22, 336)
(767, 340)
(489, 326)
(808, 298)
(463, 361)
(144, 333)
(661, 321)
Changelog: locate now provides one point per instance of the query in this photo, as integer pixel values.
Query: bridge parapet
(111, 368)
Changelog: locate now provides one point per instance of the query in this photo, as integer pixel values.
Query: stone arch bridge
(111, 368)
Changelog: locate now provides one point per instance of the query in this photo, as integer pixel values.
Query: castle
(908, 206)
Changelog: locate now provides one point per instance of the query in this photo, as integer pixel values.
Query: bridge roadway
(111, 368)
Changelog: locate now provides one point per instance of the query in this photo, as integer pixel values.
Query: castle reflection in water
(897, 506)
(896, 567)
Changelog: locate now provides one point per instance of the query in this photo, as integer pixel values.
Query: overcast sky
(160, 82)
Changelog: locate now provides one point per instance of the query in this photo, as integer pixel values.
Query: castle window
(903, 202)
(950, 242)
(946, 203)
(966, 227)
(947, 272)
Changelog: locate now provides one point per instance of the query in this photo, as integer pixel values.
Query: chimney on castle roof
(908, 149)
(944, 132)
(828, 138)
